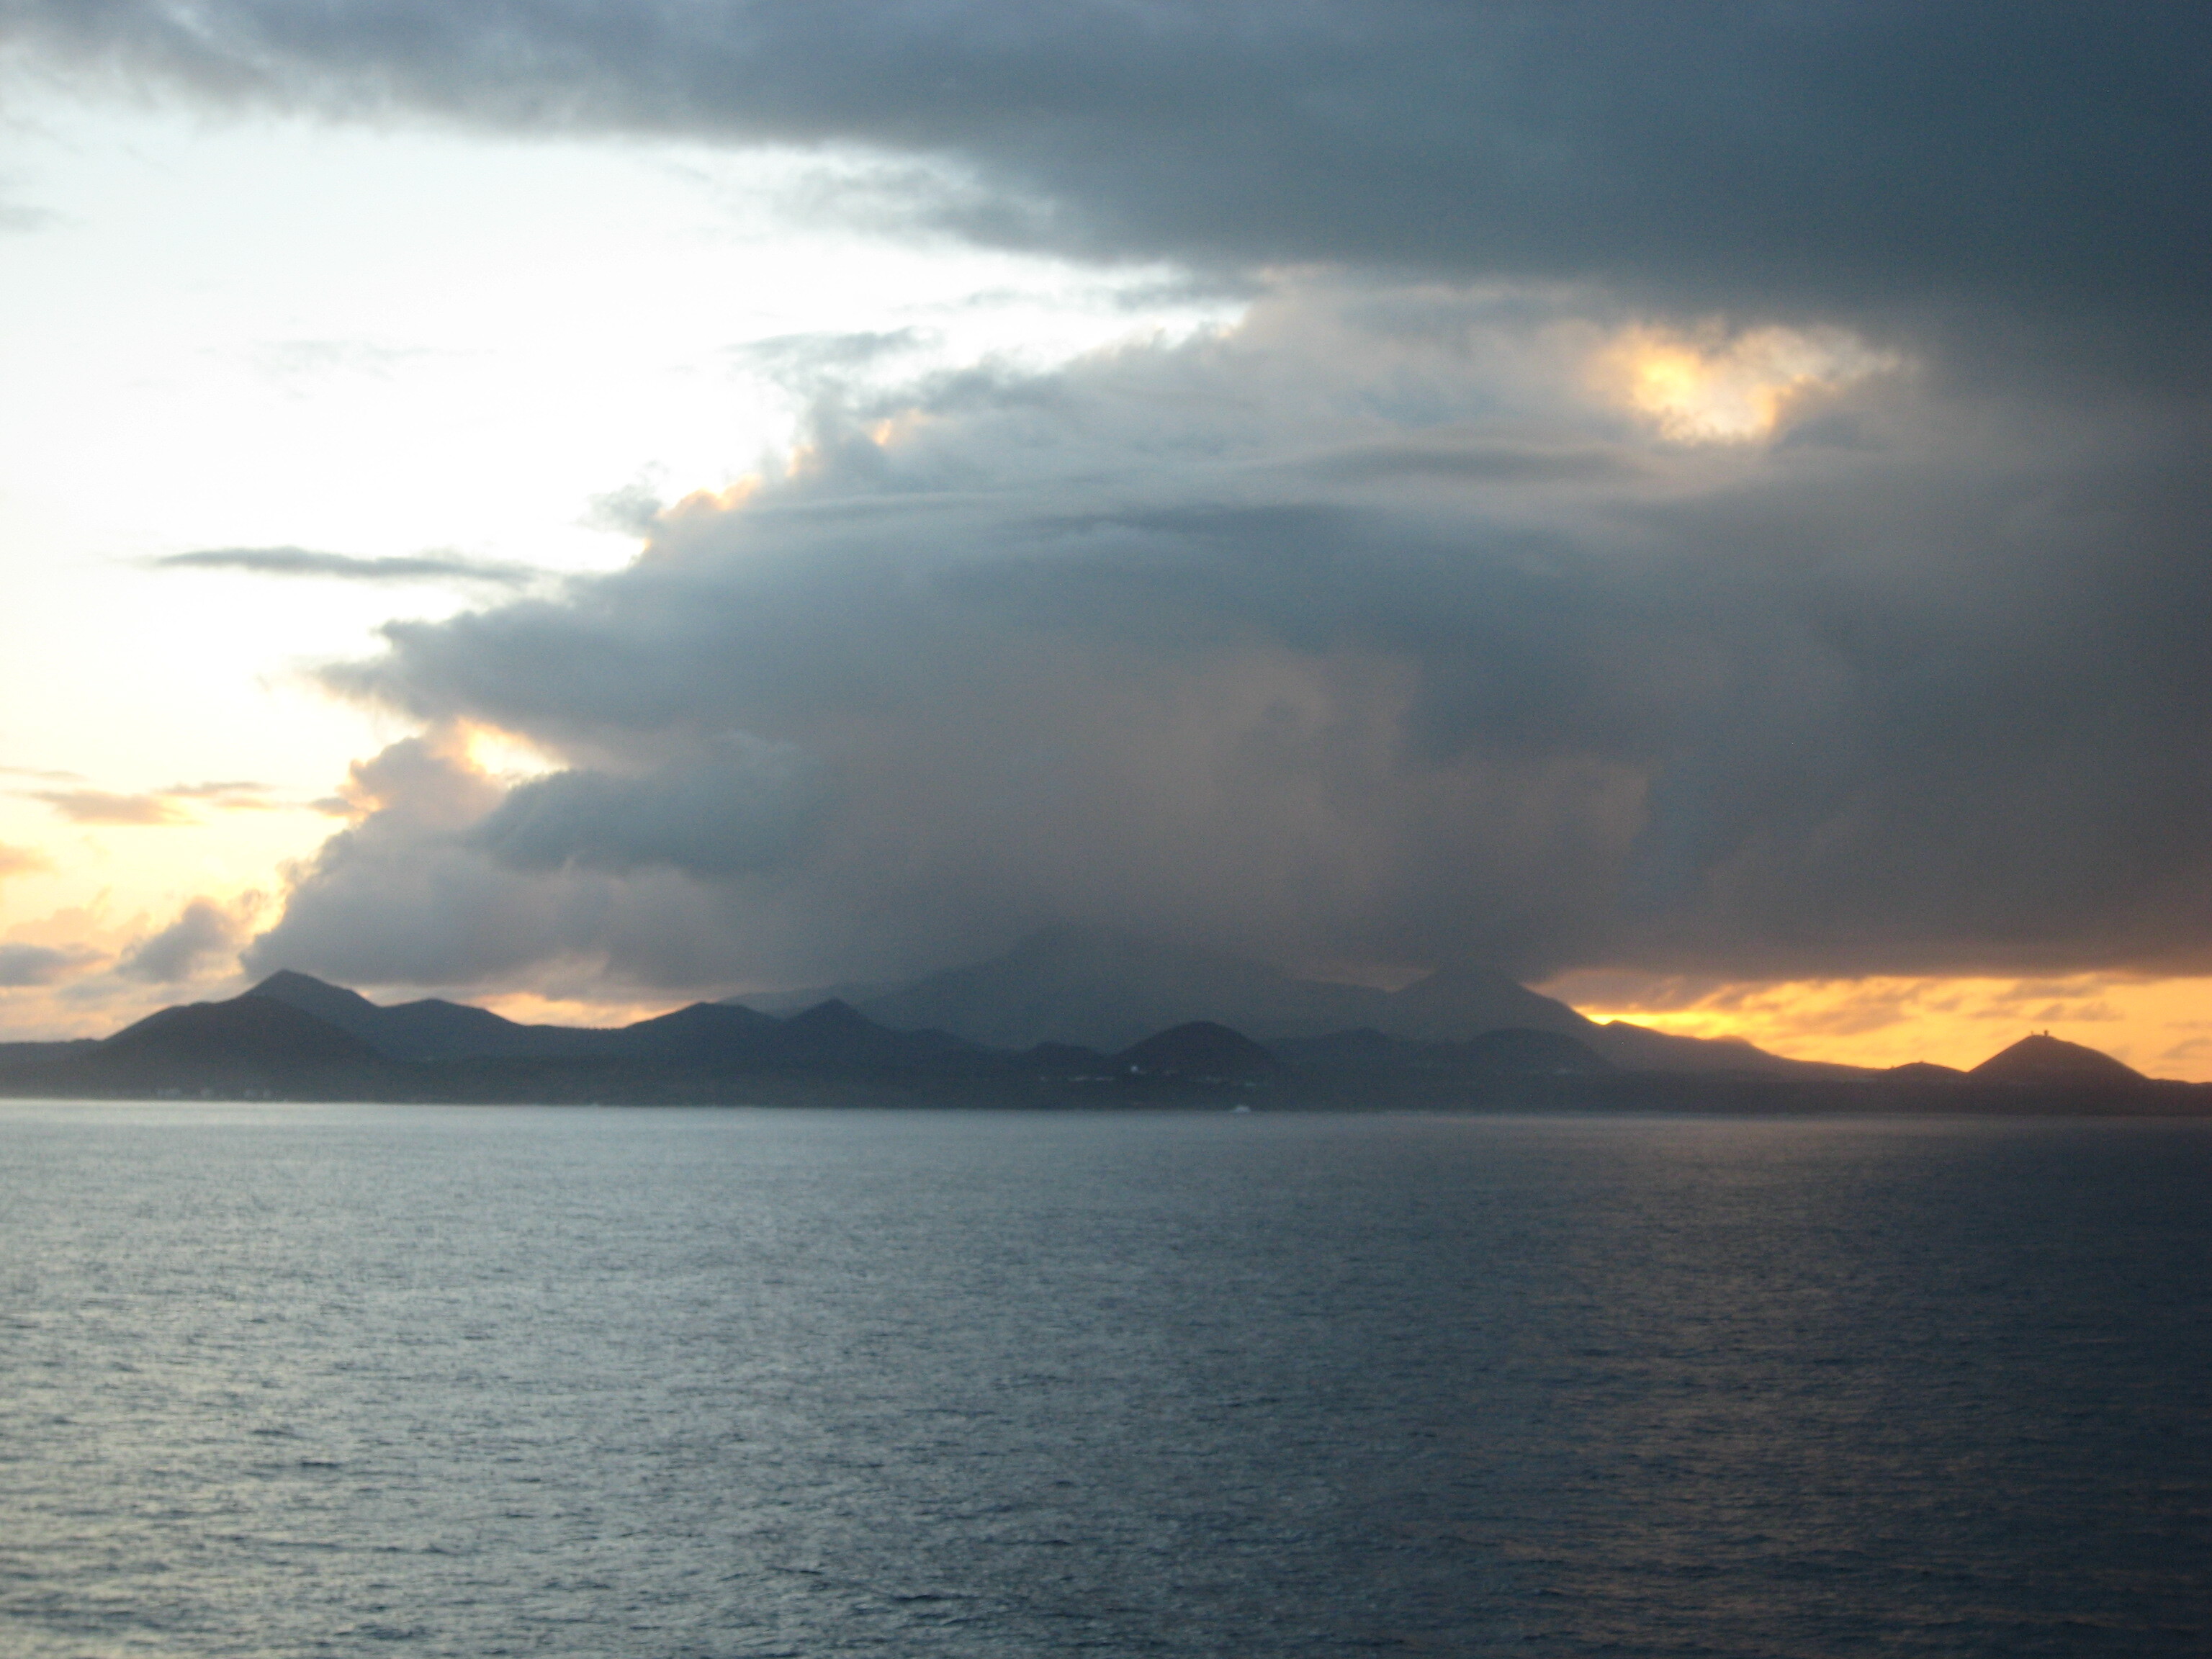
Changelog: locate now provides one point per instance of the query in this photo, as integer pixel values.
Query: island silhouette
(1474, 1041)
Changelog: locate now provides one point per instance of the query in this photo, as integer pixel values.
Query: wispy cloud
(242, 795)
(347, 567)
(100, 806)
(236, 787)
(21, 861)
(155, 807)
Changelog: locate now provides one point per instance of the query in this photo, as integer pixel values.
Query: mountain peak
(286, 985)
(1201, 1049)
(2043, 1058)
(287, 976)
(248, 1030)
(834, 1015)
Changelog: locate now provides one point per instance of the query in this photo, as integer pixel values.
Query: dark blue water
(308, 1381)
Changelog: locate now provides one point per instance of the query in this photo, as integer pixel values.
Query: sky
(583, 507)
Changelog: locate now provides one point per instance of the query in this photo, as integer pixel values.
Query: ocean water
(290, 1380)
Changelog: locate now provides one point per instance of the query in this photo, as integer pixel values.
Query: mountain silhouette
(1519, 1050)
(831, 1033)
(1104, 989)
(703, 1031)
(1096, 988)
(1459, 1003)
(266, 1046)
(1089, 988)
(250, 1045)
(2043, 1058)
(835, 1033)
(260, 1029)
(1201, 1051)
(1514, 1051)
(1925, 1070)
(431, 1029)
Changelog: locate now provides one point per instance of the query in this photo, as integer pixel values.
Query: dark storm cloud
(1928, 699)
(346, 567)
(390, 900)
(742, 810)
(1888, 161)
(410, 894)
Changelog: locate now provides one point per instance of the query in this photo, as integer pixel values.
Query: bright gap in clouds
(1717, 387)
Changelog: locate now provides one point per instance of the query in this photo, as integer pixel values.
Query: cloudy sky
(585, 505)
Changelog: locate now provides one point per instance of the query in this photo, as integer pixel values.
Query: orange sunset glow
(2161, 1027)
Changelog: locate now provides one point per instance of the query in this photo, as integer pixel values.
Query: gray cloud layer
(1886, 161)
(730, 813)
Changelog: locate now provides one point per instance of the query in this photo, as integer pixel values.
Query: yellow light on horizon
(2162, 1027)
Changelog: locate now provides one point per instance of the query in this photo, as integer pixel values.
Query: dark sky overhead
(1886, 161)
(1710, 487)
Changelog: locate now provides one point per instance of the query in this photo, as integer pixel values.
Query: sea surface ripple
(643, 1384)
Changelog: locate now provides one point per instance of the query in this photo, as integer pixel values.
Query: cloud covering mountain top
(1894, 684)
